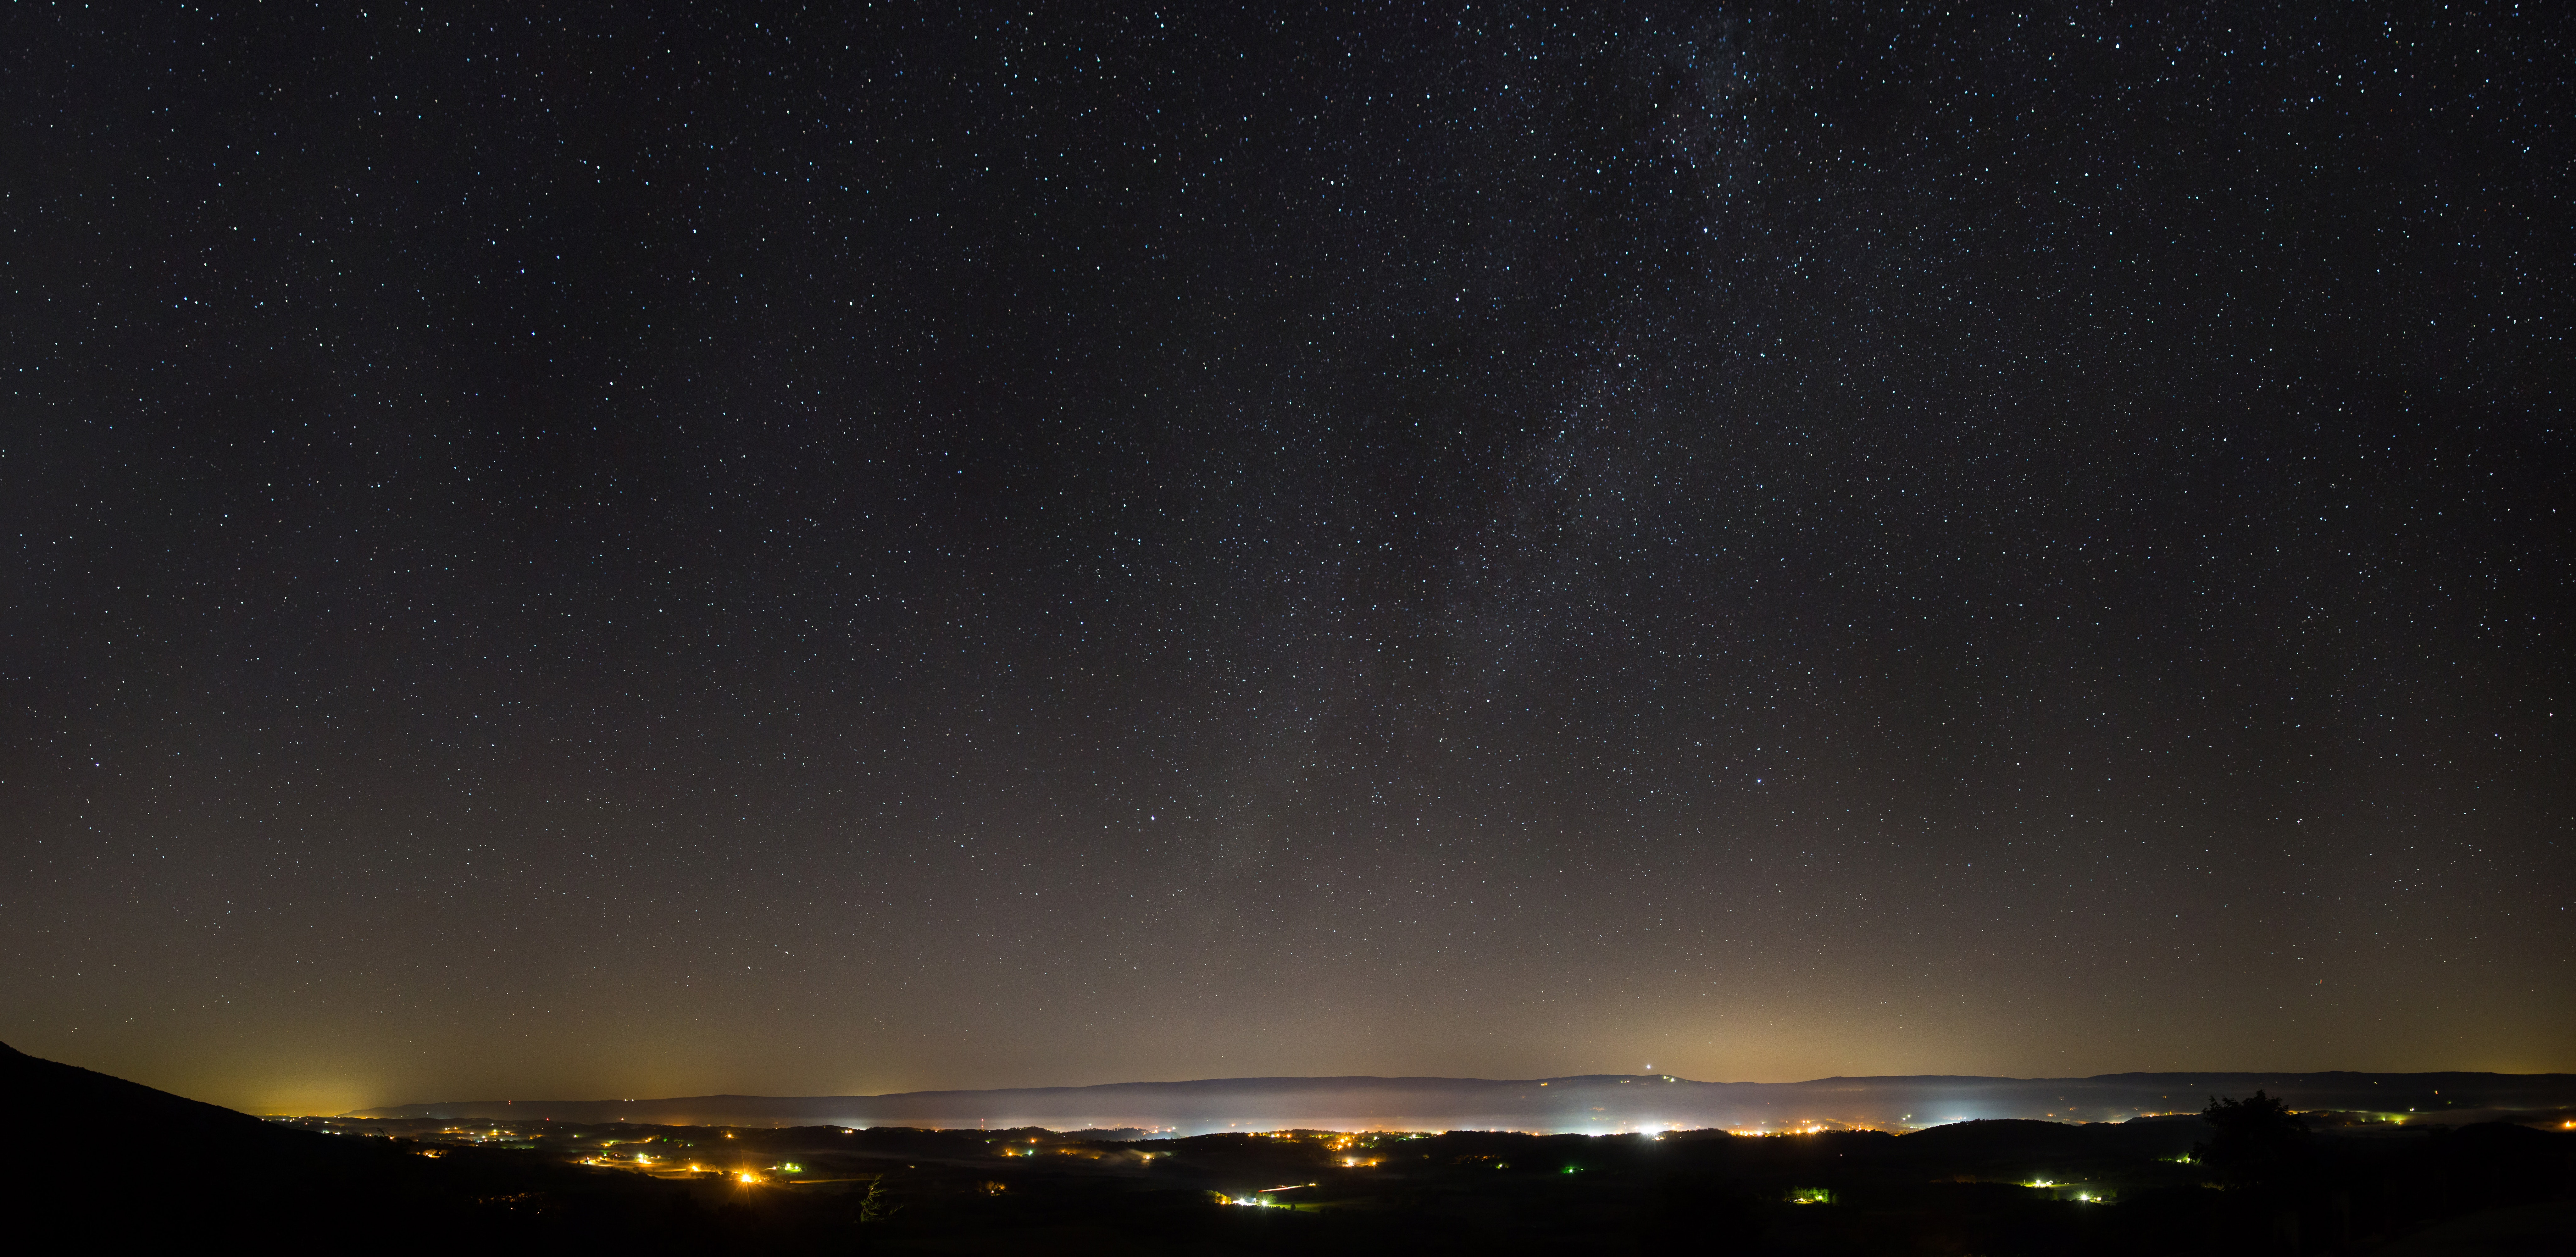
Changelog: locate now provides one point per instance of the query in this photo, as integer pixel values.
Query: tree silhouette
(2253, 1141)
(879, 1204)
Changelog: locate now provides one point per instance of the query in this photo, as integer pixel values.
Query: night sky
(583, 551)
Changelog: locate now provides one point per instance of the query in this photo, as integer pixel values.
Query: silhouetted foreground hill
(86, 1115)
(1592, 1104)
(98, 1164)
(81, 1136)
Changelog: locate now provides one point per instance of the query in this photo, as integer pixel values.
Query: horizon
(1644, 1104)
(1650, 1104)
(387, 1100)
(1741, 1082)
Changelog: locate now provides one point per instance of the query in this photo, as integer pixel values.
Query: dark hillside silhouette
(114, 1166)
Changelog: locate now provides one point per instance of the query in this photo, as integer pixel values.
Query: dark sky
(557, 552)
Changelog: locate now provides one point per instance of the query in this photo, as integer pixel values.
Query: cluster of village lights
(1262, 1199)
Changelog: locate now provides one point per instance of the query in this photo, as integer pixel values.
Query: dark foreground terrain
(120, 1166)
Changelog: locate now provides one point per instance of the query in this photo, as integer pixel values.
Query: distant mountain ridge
(1586, 1102)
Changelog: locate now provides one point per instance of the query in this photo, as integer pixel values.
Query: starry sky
(564, 553)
